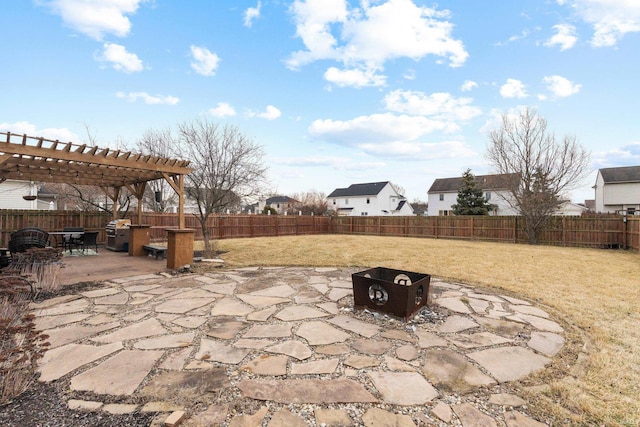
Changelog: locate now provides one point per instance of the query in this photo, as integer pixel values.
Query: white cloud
(251, 14)
(204, 61)
(354, 78)
(468, 85)
(61, 134)
(561, 87)
(148, 99)
(119, 58)
(627, 155)
(271, 113)
(611, 19)
(565, 37)
(222, 110)
(96, 18)
(365, 38)
(410, 74)
(339, 163)
(441, 105)
(513, 89)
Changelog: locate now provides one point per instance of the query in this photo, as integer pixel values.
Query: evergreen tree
(470, 200)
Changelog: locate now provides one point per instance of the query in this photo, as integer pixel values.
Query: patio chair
(72, 239)
(29, 237)
(89, 239)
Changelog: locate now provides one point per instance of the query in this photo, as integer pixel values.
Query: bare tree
(88, 198)
(227, 167)
(158, 195)
(541, 170)
(310, 203)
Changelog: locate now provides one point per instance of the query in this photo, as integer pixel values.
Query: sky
(337, 92)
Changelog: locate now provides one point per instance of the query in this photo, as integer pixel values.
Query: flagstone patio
(284, 347)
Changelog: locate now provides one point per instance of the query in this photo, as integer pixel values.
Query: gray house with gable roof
(618, 190)
(369, 199)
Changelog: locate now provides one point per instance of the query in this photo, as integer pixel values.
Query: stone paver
(278, 338)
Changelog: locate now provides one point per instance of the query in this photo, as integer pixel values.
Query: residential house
(25, 195)
(444, 193)
(568, 208)
(369, 199)
(618, 189)
(281, 204)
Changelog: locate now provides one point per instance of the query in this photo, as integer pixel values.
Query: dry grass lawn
(594, 293)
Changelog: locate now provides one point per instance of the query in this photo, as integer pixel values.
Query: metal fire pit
(396, 292)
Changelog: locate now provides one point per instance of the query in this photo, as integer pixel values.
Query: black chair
(72, 239)
(25, 238)
(89, 239)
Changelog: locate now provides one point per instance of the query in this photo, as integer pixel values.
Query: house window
(364, 213)
(368, 201)
(443, 213)
(487, 195)
(441, 197)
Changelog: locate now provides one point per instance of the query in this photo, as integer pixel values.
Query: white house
(24, 195)
(568, 208)
(618, 189)
(369, 199)
(444, 193)
(281, 204)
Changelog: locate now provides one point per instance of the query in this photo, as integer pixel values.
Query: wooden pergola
(28, 158)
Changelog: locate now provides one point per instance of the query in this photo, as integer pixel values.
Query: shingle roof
(280, 199)
(368, 189)
(621, 174)
(485, 182)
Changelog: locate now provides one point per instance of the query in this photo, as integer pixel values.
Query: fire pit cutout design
(396, 292)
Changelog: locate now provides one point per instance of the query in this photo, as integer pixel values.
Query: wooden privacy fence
(596, 231)
(585, 231)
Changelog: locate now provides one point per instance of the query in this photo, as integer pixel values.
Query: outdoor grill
(118, 235)
(396, 292)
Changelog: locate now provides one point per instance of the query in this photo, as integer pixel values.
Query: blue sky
(338, 92)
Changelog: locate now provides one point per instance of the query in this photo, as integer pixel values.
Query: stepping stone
(452, 372)
(320, 287)
(336, 294)
(332, 417)
(160, 406)
(196, 294)
(262, 315)
(291, 348)
(262, 301)
(506, 328)
(254, 420)
(341, 284)
(376, 347)
(397, 334)
(88, 405)
(181, 306)
(53, 301)
(453, 304)
(403, 388)
(317, 367)
(65, 307)
(116, 299)
(478, 306)
(214, 351)
(268, 331)
(219, 288)
(253, 343)
(480, 339)
(120, 408)
(319, 333)
(506, 399)
(527, 309)
(455, 324)
(360, 362)
(140, 288)
(376, 417)
(429, 339)
(176, 386)
(58, 362)
(338, 390)
(225, 327)
(546, 343)
(215, 415)
(486, 297)
(285, 418)
(230, 307)
(176, 360)
(282, 291)
(442, 411)
(516, 301)
(307, 296)
(396, 365)
(190, 322)
(50, 322)
(118, 375)
(144, 329)
(100, 293)
(100, 319)
(69, 334)
(509, 363)
(267, 365)
(539, 323)
(407, 352)
(470, 416)
(518, 419)
(300, 312)
(329, 307)
(184, 339)
(350, 324)
(333, 349)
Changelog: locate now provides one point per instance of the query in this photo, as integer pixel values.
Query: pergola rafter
(30, 158)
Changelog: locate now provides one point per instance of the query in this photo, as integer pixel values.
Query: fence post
(515, 229)
(437, 226)
(564, 232)
(406, 226)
